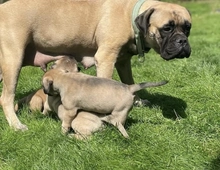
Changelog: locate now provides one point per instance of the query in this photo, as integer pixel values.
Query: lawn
(180, 130)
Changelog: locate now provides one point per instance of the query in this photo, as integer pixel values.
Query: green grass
(181, 130)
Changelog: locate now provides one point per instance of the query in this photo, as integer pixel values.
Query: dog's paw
(141, 103)
(78, 136)
(20, 127)
(65, 130)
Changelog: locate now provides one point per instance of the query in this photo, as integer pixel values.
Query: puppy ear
(143, 20)
(47, 84)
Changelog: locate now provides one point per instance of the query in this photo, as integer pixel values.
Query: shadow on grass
(172, 107)
(215, 164)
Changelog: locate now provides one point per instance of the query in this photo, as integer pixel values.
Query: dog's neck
(139, 38)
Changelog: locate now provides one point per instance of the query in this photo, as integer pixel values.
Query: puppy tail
(136, 87)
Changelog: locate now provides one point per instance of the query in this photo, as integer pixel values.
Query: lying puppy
(35, 101)
(93, 94)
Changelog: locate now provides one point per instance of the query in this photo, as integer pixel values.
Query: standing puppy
(111, 31)
(85, 123)
(79, 91)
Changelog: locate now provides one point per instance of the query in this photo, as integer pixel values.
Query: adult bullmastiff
(111, 31)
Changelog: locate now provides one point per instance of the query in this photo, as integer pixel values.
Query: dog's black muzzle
(176, 46)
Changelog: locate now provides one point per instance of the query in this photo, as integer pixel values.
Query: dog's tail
(136, 87)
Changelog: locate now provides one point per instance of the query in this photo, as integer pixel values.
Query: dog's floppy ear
(47, 84)
(143, 20)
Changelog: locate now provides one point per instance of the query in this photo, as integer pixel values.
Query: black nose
(182, 41)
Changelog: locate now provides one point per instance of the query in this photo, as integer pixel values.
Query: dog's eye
(187, 25)
(186, 29)
(167, 28)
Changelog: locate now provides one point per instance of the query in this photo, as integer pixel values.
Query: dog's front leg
(124, 70)
(105, 61)
(125, 73)
(66, 116)
(10, 72)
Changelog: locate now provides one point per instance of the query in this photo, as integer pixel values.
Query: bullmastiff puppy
(106, 33)
(85, 123)
(35, 101)
(79, 91)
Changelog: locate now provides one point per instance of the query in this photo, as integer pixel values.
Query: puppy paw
(65, 130)
(78, 136)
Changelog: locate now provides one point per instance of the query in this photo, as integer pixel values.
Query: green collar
(138, 37)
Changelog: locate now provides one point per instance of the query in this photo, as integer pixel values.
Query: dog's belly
(82, 49)
(85, 56)
(94, 105)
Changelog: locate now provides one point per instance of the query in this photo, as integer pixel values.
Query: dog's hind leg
(117, 119)
(122, 129)
(10, 67)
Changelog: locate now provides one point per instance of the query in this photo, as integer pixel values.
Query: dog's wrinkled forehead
(176, 14)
